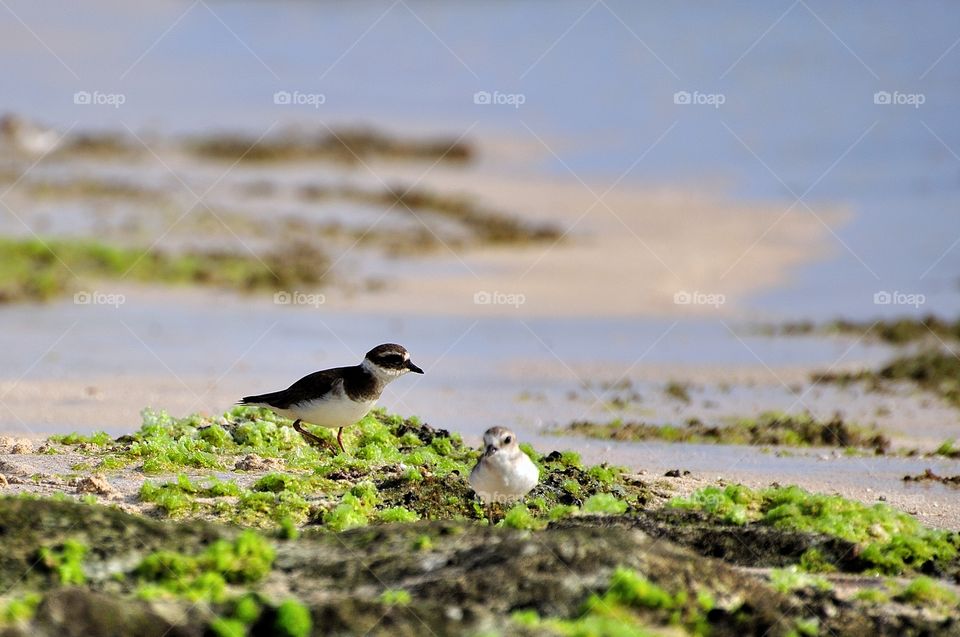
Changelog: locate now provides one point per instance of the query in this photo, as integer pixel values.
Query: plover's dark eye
(507, 440)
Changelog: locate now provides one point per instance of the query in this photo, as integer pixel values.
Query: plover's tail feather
(262, 399)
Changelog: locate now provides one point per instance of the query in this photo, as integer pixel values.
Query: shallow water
(533, 374)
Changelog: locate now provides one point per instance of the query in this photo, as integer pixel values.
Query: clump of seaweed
(899, 331)
(769, 429)
(484, 225)
(677, 391)
(345, 146)
(934, 370)
(929, 475)
(101, 144)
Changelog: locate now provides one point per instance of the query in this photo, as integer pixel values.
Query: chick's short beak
(490, 450)
(413, 368)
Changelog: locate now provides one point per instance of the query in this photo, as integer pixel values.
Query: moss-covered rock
(443, 577)
(470, 577)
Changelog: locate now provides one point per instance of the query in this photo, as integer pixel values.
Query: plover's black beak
(413, 368)
(490, 450)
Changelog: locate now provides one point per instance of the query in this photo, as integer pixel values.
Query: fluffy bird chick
(504, 473)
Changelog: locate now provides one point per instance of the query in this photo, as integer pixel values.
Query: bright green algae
(39, 270)
(889, 541)
(395, 470)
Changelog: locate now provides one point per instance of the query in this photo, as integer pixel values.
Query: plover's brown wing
(311, 387)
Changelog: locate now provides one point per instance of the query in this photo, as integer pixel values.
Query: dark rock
(76, 612)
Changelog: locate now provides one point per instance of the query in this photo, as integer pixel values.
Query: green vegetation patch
(900, 331)
(922, 592)
(948, 449)
(35, 269)
(20, 609)
(65, 562)
(794, 578)
(632, 606)
(770, 429)
(395, 470)
(933, 370)
(927, 592)
(99, 438)
(888, 541)
(243, 560)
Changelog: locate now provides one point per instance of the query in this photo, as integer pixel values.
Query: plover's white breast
(333, 412)
(503, 477)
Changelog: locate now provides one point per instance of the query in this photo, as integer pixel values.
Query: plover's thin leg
(340, 439)
(309, 437)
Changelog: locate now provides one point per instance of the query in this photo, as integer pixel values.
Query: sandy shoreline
(662, 241)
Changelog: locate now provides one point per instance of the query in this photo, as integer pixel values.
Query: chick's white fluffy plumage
(504, 473)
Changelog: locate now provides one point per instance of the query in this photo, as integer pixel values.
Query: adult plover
(336, 398)
(504, 472)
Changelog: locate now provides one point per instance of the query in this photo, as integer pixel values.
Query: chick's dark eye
(507, 440)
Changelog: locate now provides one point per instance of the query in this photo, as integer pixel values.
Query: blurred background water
(798, 81)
